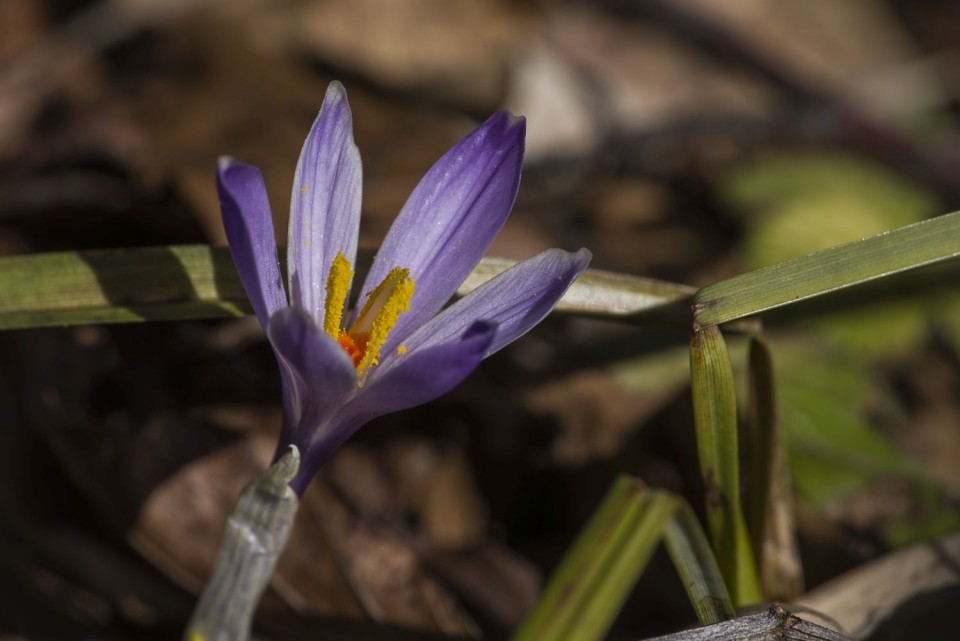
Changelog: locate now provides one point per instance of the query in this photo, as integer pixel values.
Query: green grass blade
(182, 282)
(923, 243)
(115, 286)
(691, 554)
(589, 586)
(770, 510)
(640, 540)
(715, 415)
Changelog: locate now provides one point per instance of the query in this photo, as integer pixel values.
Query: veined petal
(249, 228)
(515, 300)
(424, 376)
(452, 217)
(320, 377)
(325, 203)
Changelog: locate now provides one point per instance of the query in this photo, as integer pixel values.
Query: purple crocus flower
(398, 347)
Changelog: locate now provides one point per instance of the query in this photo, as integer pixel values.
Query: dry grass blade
(770, 511)
(775, 624)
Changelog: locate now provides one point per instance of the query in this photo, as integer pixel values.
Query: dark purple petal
(292, 390)
(249, 228)
(515, 300)
(325, 203)
(319, 376)
(421, 377)
(452, 217)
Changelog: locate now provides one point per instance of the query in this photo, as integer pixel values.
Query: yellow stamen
(379, 314)
(338, 284)
(401, 350)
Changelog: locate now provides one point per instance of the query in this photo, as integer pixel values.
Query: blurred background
(687, 140)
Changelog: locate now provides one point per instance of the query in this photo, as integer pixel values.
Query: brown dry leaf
(457, 49)
(454, 514)
(257, 103)
(337, 563)
(595, 413)
(381, 568)
(21, 24)
(549, 90)
(248, 105)
(494, 578)
(645, 79)
(856, 49)
(918, 583)
(67, 60)
(358, 475)
(436, 484)
(180, 525)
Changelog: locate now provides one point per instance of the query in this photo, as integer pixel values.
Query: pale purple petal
(319, 376)
(249, 227)
(516, 300)
(325, 203)
(452, 217)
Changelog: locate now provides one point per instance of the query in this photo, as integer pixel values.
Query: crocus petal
(515, 300)
(421, 378)
(320, 376)
(249, 228)
(325, 203)
(452, 217)
(424, 376)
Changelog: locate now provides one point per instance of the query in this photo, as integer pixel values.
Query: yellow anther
(401, 350)
(338, 285)
(379, 314)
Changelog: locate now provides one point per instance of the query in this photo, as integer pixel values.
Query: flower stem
(256, 534)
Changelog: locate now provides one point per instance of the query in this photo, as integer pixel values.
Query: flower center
(363, 341)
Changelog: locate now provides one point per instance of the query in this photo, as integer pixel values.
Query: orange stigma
(354, 345)
(363, 341)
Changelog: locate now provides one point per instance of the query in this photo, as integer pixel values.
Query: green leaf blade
(690, 552)
(715, 417)
(588, 588)
(184, 282)
(923, 243)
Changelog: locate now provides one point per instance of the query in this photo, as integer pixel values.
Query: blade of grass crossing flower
(923, 243)
(183, 282)
(691, 554)
(115, 286)
(715, 416)
(770, 511)
(607, 294)
(588, 588)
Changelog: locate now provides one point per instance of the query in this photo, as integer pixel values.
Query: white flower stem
(256, 534)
